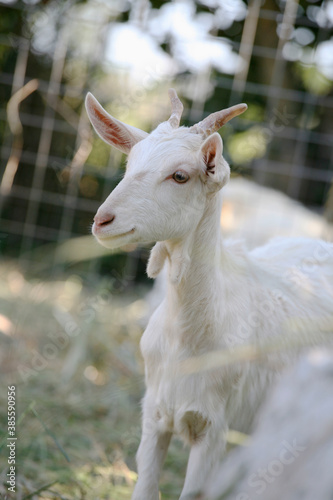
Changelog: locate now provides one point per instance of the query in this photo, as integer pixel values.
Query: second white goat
(218, 294)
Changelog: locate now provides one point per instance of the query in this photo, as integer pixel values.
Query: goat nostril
(104, 221)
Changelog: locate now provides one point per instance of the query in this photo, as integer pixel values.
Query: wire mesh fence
(55, 172)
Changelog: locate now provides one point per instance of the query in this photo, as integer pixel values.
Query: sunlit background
(58, 287)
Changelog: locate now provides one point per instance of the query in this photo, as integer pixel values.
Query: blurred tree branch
(15, 125)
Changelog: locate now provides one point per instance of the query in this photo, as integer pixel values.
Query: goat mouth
(110, 237)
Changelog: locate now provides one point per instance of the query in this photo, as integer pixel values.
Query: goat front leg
(150, 458)
(205, 458)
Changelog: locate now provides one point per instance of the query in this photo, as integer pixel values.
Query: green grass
(73, 354)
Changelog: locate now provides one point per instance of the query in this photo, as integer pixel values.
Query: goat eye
(180, 176)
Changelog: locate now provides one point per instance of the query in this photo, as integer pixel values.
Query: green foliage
(245, 146)
(313, 80)
(100, 153)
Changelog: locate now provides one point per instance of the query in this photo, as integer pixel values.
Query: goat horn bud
(216, 120)
(176, 109)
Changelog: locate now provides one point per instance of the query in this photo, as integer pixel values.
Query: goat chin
(117, 241)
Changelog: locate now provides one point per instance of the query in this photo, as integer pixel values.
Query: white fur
(218, 296)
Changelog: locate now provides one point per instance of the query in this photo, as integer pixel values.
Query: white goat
(218, 294)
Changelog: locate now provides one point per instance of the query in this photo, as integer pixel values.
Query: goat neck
(195, 257)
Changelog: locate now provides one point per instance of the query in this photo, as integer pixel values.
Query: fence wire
(55, 174)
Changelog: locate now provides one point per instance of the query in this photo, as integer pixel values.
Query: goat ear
(216, 169)
(112, 131)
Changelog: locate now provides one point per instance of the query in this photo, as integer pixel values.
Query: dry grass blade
(50, 433)
(243, 353)
(40, 490)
